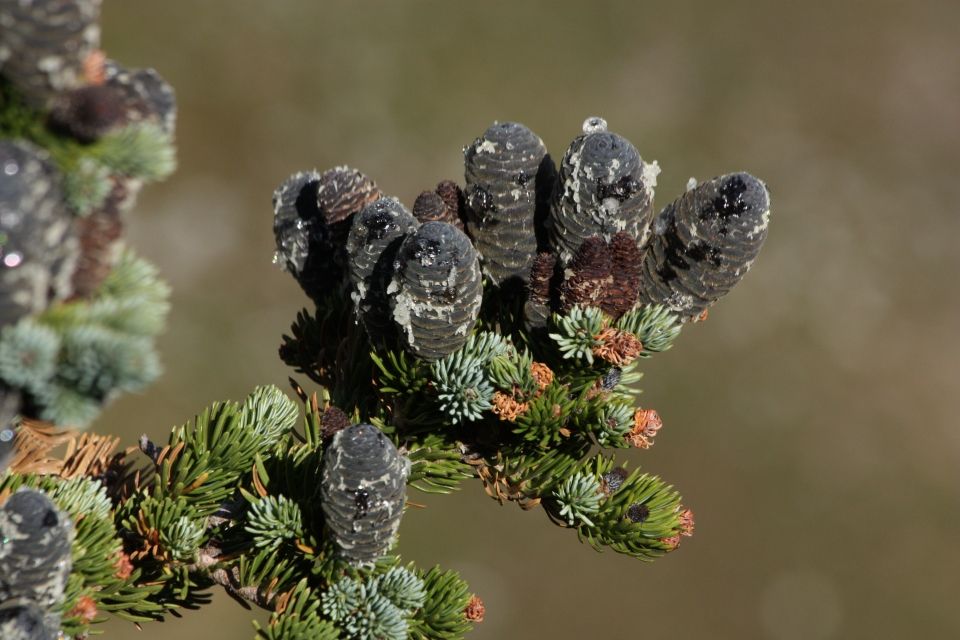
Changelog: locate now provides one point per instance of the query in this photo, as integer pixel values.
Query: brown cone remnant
(622, 293)
(617, 347)
(429, 207)
(646, 424)
(540, 275)
(589, 275)
(542, 374)
(98, 234)
(332, 421)
(508, 407)
(686, 523)
(89, 112)
(475, 610)
(452, 196)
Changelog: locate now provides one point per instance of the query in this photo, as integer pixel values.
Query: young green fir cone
(603, 187)
(501, 170)
(363, 490)
(704, 242)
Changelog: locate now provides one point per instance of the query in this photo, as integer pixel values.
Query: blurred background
(810, 422)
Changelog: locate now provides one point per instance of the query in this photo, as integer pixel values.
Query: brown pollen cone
(542, 374)
(429, 207)
(507, 407)
(588, 276)
(541, 273)
(621, 294)
(98, 234)
(332, 421)
(452, 196)
(89, 112)
(686, 523)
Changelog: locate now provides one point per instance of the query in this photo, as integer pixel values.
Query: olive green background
(810, 422)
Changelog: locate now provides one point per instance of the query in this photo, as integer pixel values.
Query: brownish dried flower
(686, 523)
(703, 316)
(85, 609)
(507, 407)
(123, 565)
(475, 610)
(617, 347)
(542, 374)
(646, 424)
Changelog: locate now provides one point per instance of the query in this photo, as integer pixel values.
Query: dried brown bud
(646, 424)
(475, 610)
(332, 421)
(617, 347)
(542, 374)
(89, 112)
(94, 67)
(671, 542)
(85, 609)
(507, 407)
(686, 523)
(123, 565)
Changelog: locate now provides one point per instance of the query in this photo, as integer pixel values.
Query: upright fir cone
(588, 276)
(44, 45)
(501, 169)
(704, 242)
(603, 187)
(147, 97)
(38, 245)
(536, 310)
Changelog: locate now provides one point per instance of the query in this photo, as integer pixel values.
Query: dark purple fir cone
(436, 291)
(45, 45)
(501, 170)
(375, 238)
(603, 187)
(363, 490)
(38, 247)
(313, 214)
(704, 242)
